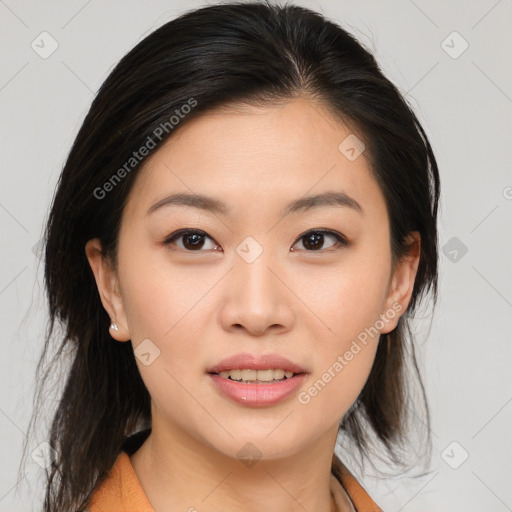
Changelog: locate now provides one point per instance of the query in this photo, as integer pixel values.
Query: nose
(258, 298)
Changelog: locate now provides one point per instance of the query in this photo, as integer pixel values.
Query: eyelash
(341, 240)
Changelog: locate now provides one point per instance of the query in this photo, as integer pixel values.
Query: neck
(172, 467)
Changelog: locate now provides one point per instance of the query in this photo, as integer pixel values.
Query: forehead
(256, 155)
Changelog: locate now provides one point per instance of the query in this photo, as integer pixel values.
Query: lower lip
(258, 394)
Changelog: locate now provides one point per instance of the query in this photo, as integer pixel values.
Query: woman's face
(261, 278)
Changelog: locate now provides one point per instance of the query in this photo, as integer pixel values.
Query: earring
(114, 326)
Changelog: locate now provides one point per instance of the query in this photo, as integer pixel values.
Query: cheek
(349, 303)
(169, 307)
(163, 305)
(350, 297)
(330, 393)
(344, 356)
(159, 297)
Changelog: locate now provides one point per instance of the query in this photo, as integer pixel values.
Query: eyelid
(186, 231)
(325, 231)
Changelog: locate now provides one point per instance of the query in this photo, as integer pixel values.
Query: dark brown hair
(247, 52)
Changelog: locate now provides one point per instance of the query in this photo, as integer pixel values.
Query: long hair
(247, 52)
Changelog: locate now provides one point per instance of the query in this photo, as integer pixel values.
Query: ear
(402, 281)
(108, 287)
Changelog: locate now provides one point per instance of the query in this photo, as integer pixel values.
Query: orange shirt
(122, 492)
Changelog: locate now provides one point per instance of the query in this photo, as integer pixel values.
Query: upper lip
(256, 362)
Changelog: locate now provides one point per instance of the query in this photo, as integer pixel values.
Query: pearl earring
(114, 326)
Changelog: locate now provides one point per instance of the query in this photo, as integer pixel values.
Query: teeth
(257, 375)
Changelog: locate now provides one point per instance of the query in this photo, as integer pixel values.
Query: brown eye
(315, 240)
(192, 240)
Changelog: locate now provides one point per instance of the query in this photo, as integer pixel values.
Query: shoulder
(121, 489)
(360, 498)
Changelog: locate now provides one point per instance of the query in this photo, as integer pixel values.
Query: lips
(257, 394)
(245, 361)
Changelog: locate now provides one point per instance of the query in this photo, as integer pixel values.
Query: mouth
(257, 388)
(257, 380)
(251, 376)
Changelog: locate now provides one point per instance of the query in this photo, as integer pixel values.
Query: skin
(199, 306)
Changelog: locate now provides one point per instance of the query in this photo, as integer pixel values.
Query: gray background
(464, 101)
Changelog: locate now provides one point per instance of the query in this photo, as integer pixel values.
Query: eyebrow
(202, 202)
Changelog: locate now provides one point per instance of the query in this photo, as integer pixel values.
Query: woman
(244, 226)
